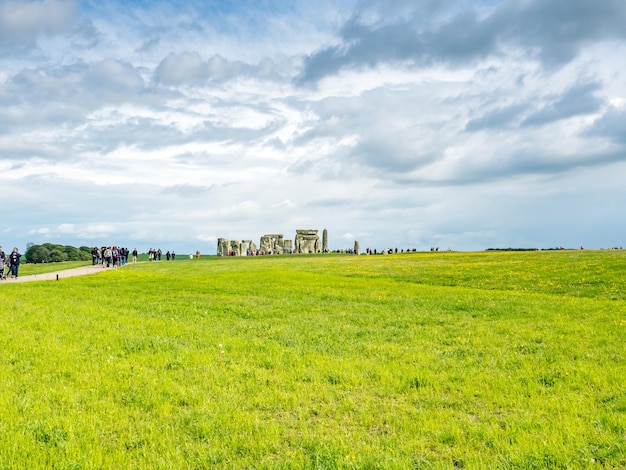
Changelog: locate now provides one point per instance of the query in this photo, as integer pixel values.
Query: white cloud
(40, 231)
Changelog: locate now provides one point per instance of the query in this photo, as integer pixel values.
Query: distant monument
(306, 241)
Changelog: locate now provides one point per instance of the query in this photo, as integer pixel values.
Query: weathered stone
(235, 248)
(325, 241)
(223, 245)
(307, 241)
(357, 248)
(272, 244)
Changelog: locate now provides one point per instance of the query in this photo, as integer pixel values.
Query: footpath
(55, 275)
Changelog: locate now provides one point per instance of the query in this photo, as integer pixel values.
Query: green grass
(442, 360)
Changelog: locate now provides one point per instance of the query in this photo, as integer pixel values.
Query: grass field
(425, 360)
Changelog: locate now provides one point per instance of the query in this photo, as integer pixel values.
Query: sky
(399, 123)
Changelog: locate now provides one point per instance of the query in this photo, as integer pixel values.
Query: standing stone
(307, 241)
(234, 248)
(357, 248)
(325, 241)
(223, 246)
(272, 243)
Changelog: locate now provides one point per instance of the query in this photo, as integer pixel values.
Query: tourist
(3, 260)
(107, 257)
(14, 260)
(134, 255)
(116, 256)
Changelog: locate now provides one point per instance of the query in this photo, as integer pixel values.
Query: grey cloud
(331, 203)
(142, 133)
(534, 162)
(21, 22)
(151, 133)
(560, 28)
(186, 190)
(113, 77)
(577, 100)
(513, 163)
(555, 31)
(192, 26)
(611, 125)
(66, 95)
(276, 143)
(177, 69)
(85, 36)
(75, 83)
(149, 45)
(497, 118)
(387, 129)
(190, 69)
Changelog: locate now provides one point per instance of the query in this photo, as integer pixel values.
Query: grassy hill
(421, 360)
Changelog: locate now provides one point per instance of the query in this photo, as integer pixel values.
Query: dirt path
(56, 275)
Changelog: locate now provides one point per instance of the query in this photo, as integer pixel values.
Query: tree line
(52, 253)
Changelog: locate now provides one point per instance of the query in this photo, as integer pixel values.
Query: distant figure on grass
(14, 261)
(135, 255)
(3, 260)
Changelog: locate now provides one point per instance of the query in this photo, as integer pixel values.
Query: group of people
(154, 254)
(12, 261)
(111, 256)
(107, 256)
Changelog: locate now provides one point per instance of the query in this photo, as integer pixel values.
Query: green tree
(37, 254)
(57, 256)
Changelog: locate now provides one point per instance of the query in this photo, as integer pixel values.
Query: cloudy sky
(398, 123)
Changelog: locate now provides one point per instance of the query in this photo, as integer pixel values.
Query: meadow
(407, 361)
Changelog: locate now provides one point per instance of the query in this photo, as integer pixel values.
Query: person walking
(3, 261)
(14, 260)
(107, 256)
